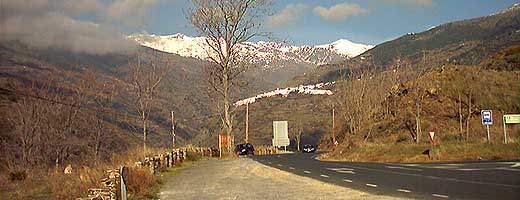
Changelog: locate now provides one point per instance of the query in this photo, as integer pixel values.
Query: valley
(75, 95)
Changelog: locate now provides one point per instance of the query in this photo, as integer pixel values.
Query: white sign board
(432, 136)
(280, 134)
(487, 117)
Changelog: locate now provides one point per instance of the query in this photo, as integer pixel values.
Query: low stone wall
(174, 157)
(266, 150)
(110, 183)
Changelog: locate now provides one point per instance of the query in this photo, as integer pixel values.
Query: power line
(126, 116)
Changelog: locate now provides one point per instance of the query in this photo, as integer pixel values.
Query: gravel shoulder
(243, 178)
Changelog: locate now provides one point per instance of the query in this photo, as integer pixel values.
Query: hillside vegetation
(390, 97)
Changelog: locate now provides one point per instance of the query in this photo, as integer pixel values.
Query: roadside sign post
(510, 119)
(280, 134)
(487, 119)
(432, 141)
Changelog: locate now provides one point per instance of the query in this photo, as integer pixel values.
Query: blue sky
(317, 22)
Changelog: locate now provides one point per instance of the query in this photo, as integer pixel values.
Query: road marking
(291, 168)
(371, 185)
(325, 176)
(469, 169)
(348, 181)
(403, 190)
(346, 172)
(397, 167)
(434, 177)
(340, 169)
(440, 195)
(280, 165)
(509, 169)
(308, 172)
(270, 162)
(516, 165)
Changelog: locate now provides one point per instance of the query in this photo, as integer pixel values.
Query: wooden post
(488, 136)
(333, 127)
(173, 130)
(247, 122)
(505, 134)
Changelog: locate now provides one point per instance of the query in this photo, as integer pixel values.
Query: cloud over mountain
(288, 15)
(86, 26)
(339, 12)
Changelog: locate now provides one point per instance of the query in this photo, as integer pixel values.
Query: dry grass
(411, 152)
(46, 184)
(139, 181)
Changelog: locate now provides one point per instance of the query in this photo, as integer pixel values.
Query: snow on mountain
(346, 48)
(269, 54)
(302, 89)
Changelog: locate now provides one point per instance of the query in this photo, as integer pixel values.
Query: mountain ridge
(268, 54)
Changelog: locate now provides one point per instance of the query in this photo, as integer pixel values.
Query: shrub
(17, 175)
(139, 181)
(193, 156)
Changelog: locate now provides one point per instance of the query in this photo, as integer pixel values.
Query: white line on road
(371, 185)
(308, 172)
(397, 167)
(434, 177)
(348, 181)
(324, 176)
(291, 168)
(440, 195)
(280, 165)
(346, 172)
(403, 190)
(270, 162)
(340, 169)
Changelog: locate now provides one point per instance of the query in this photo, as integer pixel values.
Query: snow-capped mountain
(268, 54)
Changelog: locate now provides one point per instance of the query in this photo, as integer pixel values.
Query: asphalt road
(461, 180)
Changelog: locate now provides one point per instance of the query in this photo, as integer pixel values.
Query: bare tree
(297, 133)
(417, 91)
(28, 118)
(145, 78)
(103, 95)
(226, 24)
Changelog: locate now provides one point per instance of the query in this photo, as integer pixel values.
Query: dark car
(308, 148)
(245, 149)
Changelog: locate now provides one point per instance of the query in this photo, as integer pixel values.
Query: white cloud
(132, 13)
(54, 23)
(412, 3)
(288, 15)
(339, 12)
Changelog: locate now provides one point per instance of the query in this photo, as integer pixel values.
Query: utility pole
(173, 130)
(333, 127)
(247, 122)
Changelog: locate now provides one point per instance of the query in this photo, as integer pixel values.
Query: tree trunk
(468, 119)
(461, 131)
(228, 126)
(298, 140)
(144, 134)
(173, 130)
(418, 121)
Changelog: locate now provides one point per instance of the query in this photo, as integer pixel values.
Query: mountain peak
(264, 52)
(347, 48)
(177, 36)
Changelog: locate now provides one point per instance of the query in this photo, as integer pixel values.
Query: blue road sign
(487, 117)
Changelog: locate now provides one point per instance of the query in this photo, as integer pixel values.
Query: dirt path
(243, 178)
